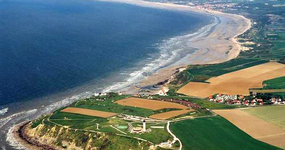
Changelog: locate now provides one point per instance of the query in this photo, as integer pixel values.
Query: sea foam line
(169, 51)
(13, 119)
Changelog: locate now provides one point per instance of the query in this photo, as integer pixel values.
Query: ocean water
(51, 47)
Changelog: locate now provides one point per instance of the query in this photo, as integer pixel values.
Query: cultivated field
(256, 127)
(277, 83)
(215, 133)
(273, 114)
(237, 82)
(170, 114)
(149, 104)
(88, 112)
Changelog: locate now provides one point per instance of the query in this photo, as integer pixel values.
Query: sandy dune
(255, 127)
(88, 112)
(149, 104)
(238, 82)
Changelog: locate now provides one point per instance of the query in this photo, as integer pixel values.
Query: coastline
(221, 42)
(227, 47)
(20, 135)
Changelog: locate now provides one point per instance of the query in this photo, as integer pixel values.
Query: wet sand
(215, 46)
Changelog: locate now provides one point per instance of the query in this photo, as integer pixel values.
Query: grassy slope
(273, 114)
(215, 133)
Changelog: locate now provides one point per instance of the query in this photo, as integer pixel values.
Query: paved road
(174, 137)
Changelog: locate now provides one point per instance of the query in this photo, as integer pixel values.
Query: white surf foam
(12, 140)
(170, 50)
(3, 111)
(12, 120)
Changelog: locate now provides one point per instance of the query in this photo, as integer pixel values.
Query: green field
(277, 83)
(273, 114)
(278, 49)
(76, 121)
(215, 133)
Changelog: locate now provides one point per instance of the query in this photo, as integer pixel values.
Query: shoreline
(221, 44)
(19, 134)
(201, 56)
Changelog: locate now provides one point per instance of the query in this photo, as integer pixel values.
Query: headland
(214, 43)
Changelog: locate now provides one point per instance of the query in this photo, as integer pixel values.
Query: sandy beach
(216, 45)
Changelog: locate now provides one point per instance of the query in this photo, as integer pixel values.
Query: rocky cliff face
(64, 138)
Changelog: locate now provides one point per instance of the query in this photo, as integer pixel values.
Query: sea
(54, 52)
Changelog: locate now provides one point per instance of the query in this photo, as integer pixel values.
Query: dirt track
(238, 82)
(88, 112)
(255, 127)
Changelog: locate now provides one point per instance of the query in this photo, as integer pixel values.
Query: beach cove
(219, 36)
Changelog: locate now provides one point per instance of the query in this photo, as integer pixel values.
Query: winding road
(174, 137)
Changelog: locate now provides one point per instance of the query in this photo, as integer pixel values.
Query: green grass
(38, 121)
(277, 83)
(202, 102)
(156, 136)
(215, 133)
(278, 50)
(273, 114)
(76, 121)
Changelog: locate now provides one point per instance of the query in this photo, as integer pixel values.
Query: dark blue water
(50, 46)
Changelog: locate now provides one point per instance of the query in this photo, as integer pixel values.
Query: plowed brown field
(88, 112)
(170, 114)
(149, 104)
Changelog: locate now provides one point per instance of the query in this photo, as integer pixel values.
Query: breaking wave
(171, 51)
(3, 111)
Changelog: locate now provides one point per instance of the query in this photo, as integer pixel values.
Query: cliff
(62, 138)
